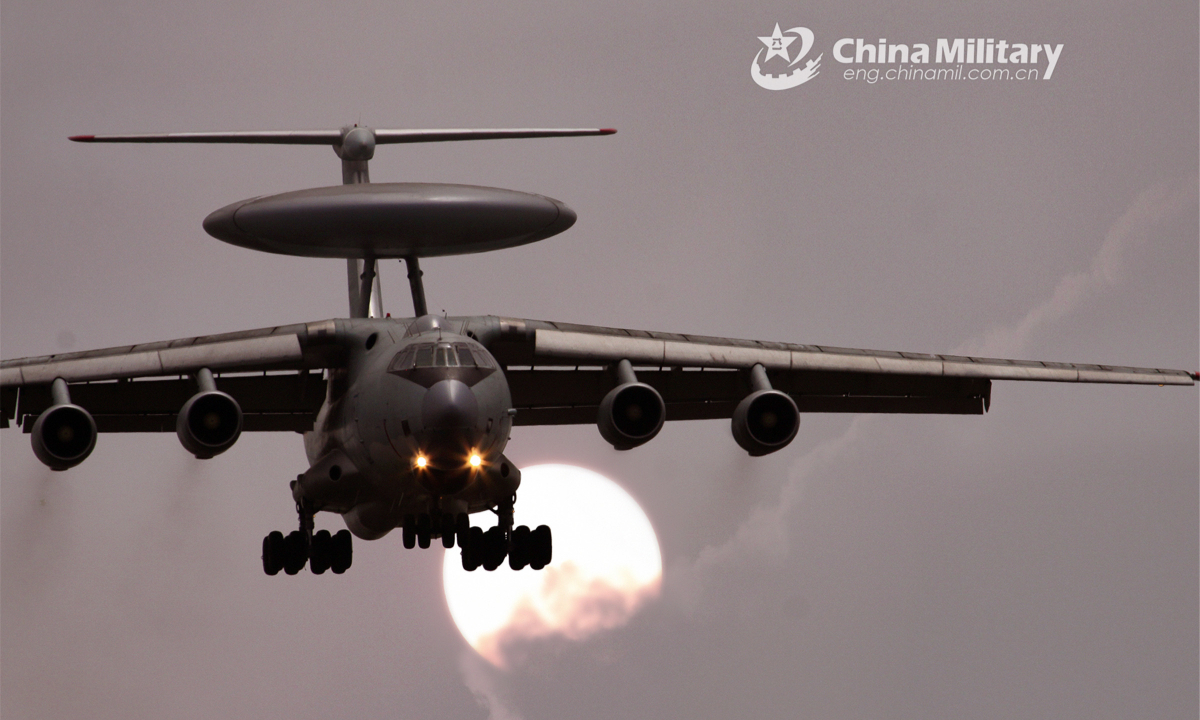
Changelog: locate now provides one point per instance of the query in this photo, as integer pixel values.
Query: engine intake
(65, 434)
(210, 422)
(766, 420)
(631, 413)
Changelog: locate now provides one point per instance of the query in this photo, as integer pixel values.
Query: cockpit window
(428, 355)
(403, 360)
(439, 355)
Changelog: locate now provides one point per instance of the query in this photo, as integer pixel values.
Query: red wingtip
(82, 138)
(608, 131)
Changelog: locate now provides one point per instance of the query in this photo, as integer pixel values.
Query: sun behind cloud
(606, 565)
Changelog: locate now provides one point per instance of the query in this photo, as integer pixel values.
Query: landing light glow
(475, 460)
(422, 461)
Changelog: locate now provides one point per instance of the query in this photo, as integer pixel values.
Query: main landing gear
(522, 546)
(323, 551)
(487, 549)
(320, 550)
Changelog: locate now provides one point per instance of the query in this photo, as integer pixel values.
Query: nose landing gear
(421, 529)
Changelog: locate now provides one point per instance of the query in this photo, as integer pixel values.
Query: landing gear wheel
(462, 528)
(322, 552)
(465, 554)
(423, 530)
(341, 552)
(409, 532)
(472, 550)
(493, 549)
(294, 555)
(541, 547)
(447, 531)
(518, 554)
(273, 553)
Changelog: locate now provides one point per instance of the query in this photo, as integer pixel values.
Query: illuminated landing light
(475, 460)
(422, 461)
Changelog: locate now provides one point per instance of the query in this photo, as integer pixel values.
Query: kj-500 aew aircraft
(405, 420)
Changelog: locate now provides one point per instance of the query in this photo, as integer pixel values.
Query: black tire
(409, 532)
(448, 531)
(423, 530)
(494, 550)
(273, 553)
(518, 553)
(473, 550)
(342, 555)
(542, 547)
(322, 552)
(469, 552)
(294, 555)
(462, 528)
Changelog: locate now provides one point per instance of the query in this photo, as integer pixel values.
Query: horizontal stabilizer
(383, 137)
(293, 137)
(334, 137)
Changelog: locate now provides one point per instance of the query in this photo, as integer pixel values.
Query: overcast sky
(1039, 561)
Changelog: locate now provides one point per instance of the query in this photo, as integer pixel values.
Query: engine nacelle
(765, 421)
(631, 414)
(63, 436)
(209, 423)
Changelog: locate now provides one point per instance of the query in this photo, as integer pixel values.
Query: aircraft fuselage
(416, 422)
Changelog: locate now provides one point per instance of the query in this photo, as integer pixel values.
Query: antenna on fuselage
(355, 146)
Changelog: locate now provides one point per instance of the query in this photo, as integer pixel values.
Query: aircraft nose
(449, 404)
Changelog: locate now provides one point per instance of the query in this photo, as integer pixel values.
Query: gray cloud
(762, 537)
(479, 679)
(1157, 204)
(576, 608)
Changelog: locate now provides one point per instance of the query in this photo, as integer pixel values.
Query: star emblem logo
(777, 44)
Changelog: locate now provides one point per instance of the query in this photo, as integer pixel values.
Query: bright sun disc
(606, 564)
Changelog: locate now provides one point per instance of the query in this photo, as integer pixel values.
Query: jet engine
(210, 421)
(631, 413)
(766, 420)
(65, 434)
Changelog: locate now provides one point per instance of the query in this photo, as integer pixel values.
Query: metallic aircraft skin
(377, 420)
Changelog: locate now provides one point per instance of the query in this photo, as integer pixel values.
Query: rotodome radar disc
(389, 220)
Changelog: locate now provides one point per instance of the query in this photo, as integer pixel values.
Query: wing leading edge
(275, 373)
(559, 373)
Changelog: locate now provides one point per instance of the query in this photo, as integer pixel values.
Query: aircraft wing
(559, 373)
(275, 374)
